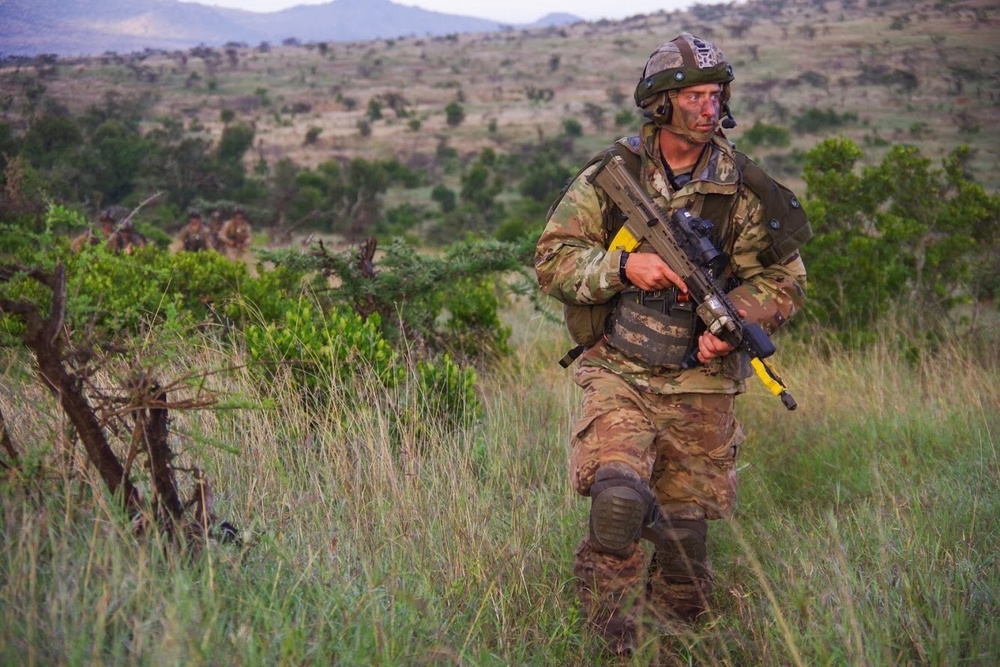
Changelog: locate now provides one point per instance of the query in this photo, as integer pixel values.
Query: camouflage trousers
(685, 446)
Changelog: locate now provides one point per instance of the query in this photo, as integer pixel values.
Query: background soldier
(656, 446)
(126, 239)
(236, 235)
(97, 234)
(194, 236)
(214, 229)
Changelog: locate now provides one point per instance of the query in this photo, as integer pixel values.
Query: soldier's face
(697, 108)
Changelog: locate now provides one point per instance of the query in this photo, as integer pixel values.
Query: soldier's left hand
(711, 347)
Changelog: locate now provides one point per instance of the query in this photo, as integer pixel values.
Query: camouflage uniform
(214, 229)
(676, 430)
(96, 235)
(195, 235)
(236, 235)
(125, 240)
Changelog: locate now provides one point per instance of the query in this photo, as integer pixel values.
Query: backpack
(586, 323)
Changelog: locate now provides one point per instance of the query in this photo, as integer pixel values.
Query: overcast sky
(506, 11)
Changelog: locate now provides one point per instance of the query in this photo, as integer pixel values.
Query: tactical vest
(657, 327)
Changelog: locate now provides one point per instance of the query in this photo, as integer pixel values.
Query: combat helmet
(684, 61)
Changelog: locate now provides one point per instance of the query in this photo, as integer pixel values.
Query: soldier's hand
(647, 271)
(711, 347)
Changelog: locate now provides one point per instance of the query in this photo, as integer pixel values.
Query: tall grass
(867, 534)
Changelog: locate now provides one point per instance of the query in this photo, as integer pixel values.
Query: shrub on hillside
(898, 237)
(813, 121)
(762, 134)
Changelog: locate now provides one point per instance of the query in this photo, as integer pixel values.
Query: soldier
(99, 233)
(236, 235)
(656, 446)
(126, 239)
(214, 228)
(195, 235)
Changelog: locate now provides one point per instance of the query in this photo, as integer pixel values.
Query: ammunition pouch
(656, 328)
(784, 218)
(586, 323)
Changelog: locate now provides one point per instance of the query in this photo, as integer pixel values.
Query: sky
(505, 11)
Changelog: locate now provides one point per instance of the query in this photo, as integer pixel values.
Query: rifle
(686, 249)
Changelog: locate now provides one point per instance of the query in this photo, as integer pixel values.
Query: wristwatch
(621, 267)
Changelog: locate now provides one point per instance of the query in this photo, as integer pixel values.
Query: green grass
(867, 534)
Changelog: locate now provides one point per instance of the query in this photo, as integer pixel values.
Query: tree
(454, 114)
(113, 160)
(481, 184)
(444, 196)
(543, 177)
(180, 165)
(897, 233)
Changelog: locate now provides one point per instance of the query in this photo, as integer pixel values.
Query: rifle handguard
(684, 246)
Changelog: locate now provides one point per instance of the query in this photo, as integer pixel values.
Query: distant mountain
(86, 27)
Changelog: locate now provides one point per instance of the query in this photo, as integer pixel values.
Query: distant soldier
(236, 235)
(195, 236)
(214, 229)
(126, 239)
(97, 234)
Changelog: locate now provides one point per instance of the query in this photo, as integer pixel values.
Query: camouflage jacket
(123, 242)
(574, 265)
(192, 240)
(235, 233)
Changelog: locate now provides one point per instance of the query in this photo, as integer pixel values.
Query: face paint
(695, 112)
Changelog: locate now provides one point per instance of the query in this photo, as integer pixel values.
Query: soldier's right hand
(648, 271)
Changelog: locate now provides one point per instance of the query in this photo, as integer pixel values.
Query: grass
(867, 533)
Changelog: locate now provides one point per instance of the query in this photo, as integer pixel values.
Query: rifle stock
(686, 248)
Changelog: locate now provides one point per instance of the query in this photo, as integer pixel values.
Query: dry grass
(867, 531)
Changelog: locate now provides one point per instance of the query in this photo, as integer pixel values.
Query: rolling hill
(77, 27)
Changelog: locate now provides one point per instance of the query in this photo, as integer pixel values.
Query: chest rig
(659, 328)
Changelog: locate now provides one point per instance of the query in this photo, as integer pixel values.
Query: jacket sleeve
(770, 295)
(571, 259)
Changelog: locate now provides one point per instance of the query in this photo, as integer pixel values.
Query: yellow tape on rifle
(768, 377)
(624, 241)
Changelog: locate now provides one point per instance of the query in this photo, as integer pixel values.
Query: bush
(454, 114)
(473, 328)
(816, 120)
(625, 118)
(446, 391)
(572, 127)
(445, 197)
(312, 136)
(324, 350)
(762, 134)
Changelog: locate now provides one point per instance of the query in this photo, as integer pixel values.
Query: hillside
(916, 72)
(82, 27)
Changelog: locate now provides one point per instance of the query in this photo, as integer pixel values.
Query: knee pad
(621, 505)
(681, 550)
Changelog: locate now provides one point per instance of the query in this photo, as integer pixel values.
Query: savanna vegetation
(351, 448)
